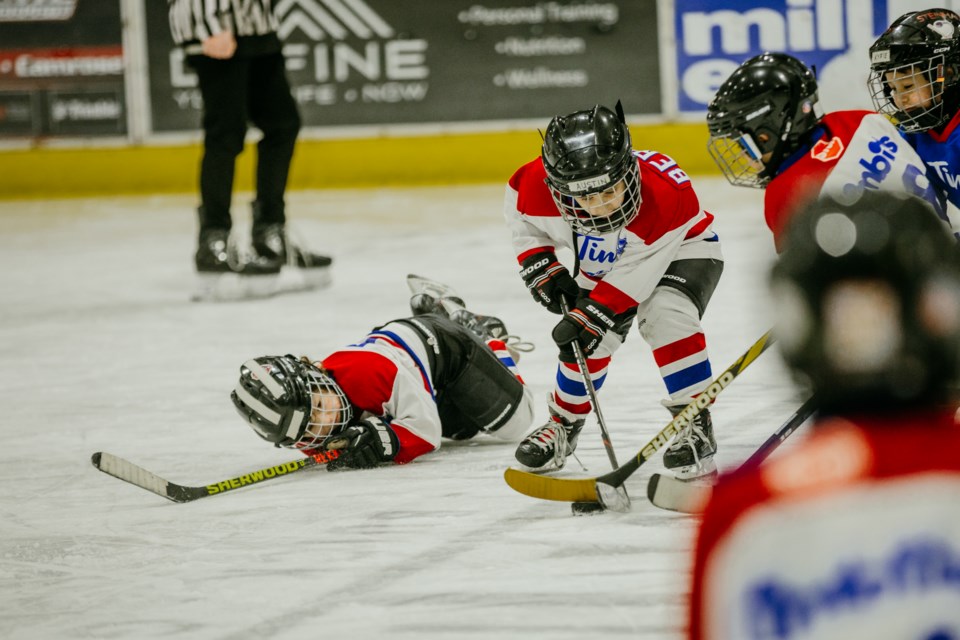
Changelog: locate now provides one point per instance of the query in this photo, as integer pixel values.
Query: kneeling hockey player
(391, 397)
(643, 250)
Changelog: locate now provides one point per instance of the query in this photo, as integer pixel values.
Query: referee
(236, 54)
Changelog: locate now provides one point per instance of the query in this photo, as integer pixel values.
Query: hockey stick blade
(544, 487)
(136, 475)
(672, 494)
(585, 489)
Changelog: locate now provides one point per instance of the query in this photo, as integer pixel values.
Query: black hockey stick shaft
(136, 475)
(591, 391)
(617, 477)
(770, 445)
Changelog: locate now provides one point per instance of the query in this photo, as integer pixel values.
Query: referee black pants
(236, 92)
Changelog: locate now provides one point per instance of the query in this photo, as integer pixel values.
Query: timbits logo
(875, 168)
(597, 254)
(714, 38)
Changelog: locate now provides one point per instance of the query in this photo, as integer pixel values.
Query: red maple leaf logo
(827, 150)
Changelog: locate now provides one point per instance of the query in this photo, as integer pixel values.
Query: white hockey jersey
(623, 267)
(855, 151)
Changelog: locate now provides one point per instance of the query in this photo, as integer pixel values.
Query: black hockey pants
(475, 391)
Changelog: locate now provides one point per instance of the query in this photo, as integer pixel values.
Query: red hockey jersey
(853, 534)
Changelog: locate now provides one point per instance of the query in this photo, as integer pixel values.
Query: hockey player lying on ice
(391, 397)
(643, 250)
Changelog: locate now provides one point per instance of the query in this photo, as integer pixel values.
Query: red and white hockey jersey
(857, 150)
(623, 267)
(853, 534)
(388, 375)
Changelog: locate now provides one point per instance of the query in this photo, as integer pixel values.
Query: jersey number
(664, 164)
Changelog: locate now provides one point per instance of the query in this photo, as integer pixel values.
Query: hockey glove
(363, 445)
(587, 323)
(547, 280)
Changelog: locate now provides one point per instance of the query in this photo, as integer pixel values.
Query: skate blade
(233, 287)
(419, 284)
(230, 287)
(293, 279)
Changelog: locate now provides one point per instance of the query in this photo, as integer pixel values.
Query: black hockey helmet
(760, 115)
(290, 402)
(921, 49)
(592, 173)
(868, 302)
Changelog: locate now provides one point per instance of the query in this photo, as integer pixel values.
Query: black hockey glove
(586, 323)
(363, 445)
(547, 280)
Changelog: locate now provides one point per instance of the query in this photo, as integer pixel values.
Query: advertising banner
(375, 62)
(61, 68)
(832, 35)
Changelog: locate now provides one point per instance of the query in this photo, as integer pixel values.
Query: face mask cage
(911, 94)
(739, 157)
(599, 205)
(329, 409)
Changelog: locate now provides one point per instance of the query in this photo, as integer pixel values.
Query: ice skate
(430, 296)
(427, 295)
(690, 456)
(224, 274)
(272, 241)
(547, 447)
(302, 269)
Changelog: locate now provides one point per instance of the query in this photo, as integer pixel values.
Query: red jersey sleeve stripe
(612, 298)
(699, 228)
(532, 252)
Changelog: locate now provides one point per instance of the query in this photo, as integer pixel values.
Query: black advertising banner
(61, 68)
(363, 62)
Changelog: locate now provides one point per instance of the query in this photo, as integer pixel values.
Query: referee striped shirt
(194, 21)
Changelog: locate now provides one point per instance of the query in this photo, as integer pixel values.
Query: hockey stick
(591, 392)
(623, 503)
(672, 494)
(129, 472)
(605, 487)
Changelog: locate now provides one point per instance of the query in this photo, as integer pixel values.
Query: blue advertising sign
(831, 35)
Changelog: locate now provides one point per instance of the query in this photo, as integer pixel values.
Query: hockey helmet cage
(592, 173)
(919, 54)
(760, 116)
(867, 299)
(290, 402)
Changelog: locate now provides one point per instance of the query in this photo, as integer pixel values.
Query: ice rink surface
(102, 351)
